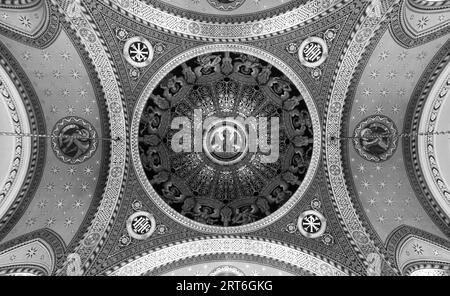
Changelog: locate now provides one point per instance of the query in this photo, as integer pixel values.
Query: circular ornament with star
(74, 140)
(226, 5)
(141, 225)
(313, 52)
(375, 138)
(311, 224)
(138, 52)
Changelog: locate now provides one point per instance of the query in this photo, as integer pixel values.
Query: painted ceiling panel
(224, 137)
(64, 89)
(387, 83)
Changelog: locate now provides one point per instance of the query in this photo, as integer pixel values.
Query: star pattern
(385, 88)
(423, 22)
(25, 21)
(63, 85)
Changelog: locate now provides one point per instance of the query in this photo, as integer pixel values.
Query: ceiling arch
(248, 246)
(15, 151)
(414, 249)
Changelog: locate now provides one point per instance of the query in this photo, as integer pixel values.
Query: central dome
(225, 139)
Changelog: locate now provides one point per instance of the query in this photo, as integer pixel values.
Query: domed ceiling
(224, 137)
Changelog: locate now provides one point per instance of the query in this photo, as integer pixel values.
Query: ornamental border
(213, 31)
(159, 257)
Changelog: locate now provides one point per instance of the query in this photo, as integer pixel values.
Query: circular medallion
(360, 237)
(327, 239)
(121, 34)
(257, 28)
(225, 141)
(194, 28)
(313, 52)
(136, 205)
(125, 240)
(74, 140)
(88, 35)
(376, 138)
(141, 225)
(138, 52)
(330, 34)
(161, 229)
(226, 5)
(311, 224)
(292, 48)
(316, 204)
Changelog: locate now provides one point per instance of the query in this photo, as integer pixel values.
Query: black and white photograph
(189, 139)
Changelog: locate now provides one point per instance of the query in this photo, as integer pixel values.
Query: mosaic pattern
(228, 245)
(207, 30)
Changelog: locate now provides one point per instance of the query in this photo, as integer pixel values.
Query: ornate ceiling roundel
(224, 137)
(206, 150)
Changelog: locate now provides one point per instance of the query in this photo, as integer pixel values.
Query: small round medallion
(91, 239)
(141, 225)
(125, 240)
(136, 205)
(311, 224)
(138, 52)
(313, 52)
